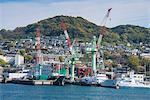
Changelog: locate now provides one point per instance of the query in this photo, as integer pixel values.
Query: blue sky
(18, 13)
(37, 1)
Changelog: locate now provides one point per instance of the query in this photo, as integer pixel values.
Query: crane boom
(66, 34)
(102, 29)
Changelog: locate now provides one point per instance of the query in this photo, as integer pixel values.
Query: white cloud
(135, 12)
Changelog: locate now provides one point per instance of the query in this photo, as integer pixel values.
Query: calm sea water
(70, 92)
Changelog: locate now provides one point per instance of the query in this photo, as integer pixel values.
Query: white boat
(101, 79)
(133, 80)
(104, 81)
(98, 79)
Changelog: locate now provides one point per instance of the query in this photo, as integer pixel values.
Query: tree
(1, 37)
(108, 63)
(61, 59)
(124, 37)
(28, 58)
(10, 45)
(2, 63)
(146, 63)
(1, 52)
(133, 62)
(114, 64)
(115, 37)
(22, 52)
(107, 55)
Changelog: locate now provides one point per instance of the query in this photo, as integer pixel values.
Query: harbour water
(70, 92)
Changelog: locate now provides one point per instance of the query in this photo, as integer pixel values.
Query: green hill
(134, 34)
(82, 27)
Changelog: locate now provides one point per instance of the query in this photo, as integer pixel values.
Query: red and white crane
(63, 26)
(39, 57)
(38, 49)
(72, 51)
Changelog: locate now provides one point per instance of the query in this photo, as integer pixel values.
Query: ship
(101, 79)
(133, 80)
(38, 75)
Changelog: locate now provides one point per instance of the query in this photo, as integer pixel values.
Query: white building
(11, 76)
(19, 60)
(145, 55)
(7, 59)
(134, 51)
(1, 70)
(137, 77)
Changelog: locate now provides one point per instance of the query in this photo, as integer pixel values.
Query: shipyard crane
(96, 45)
(102, 31)
(73, 57)
(37, 69)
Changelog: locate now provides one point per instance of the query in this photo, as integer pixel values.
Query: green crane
(96, 46)
(74, 56)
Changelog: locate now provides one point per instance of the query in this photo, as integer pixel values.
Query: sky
(19, 13)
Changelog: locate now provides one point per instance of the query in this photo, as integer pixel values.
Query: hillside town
(17, 53)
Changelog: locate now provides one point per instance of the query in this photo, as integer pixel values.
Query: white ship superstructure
(133, 80)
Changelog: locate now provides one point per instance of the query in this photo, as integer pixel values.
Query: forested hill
(82, 27)
(133, 33)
